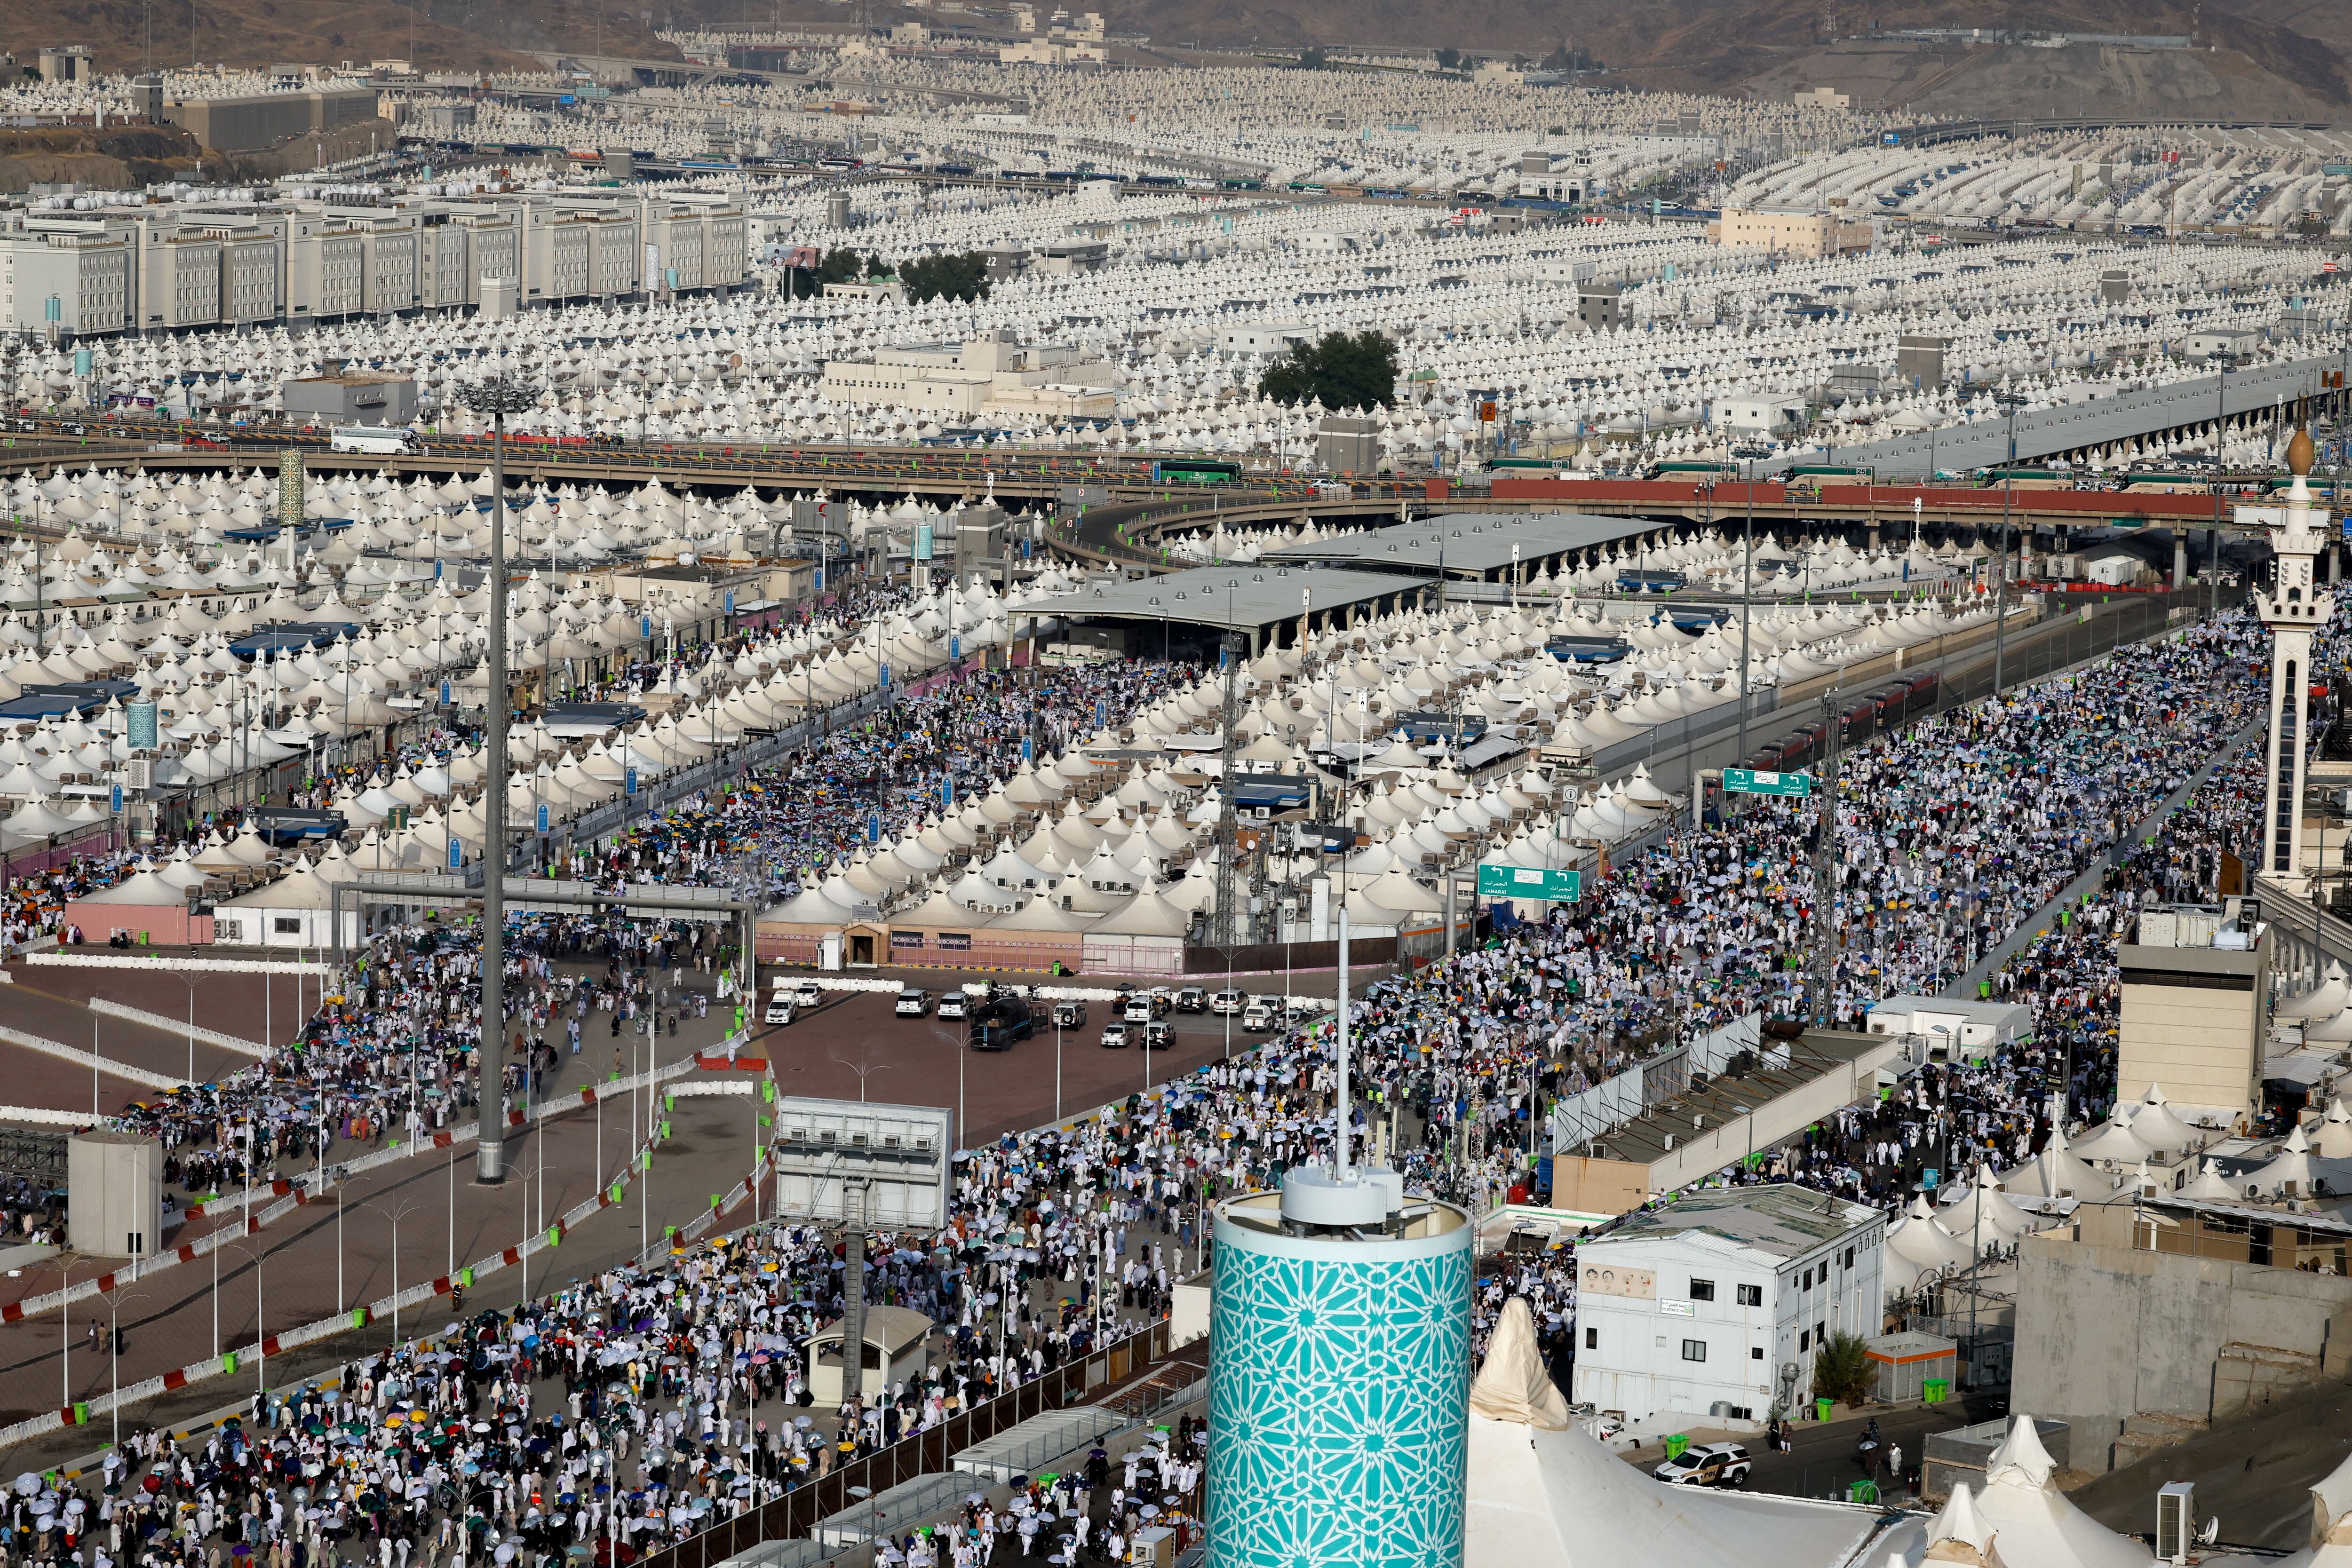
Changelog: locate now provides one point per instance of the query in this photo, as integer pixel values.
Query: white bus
(372, 438)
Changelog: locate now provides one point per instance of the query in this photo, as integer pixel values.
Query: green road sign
(1749, 782)
(1529, 881)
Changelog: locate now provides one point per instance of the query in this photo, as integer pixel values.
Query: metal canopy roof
(1470, 544)
(1242, 598)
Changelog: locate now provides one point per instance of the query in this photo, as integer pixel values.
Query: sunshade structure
(1544, 1494)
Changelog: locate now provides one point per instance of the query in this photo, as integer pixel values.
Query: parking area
(854, 1045)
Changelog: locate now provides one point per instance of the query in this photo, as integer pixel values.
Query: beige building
(1051, 52)
(995, 374)
(2195, 1013)
(1822, 98)
(1802, 236)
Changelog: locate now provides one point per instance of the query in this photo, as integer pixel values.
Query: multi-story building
(179, 278)
(996, 372)
(170, 269)
(1720, 1302)
(73, 279)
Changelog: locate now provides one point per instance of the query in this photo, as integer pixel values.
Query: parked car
(1069, 1014)
(913, 1003)
(1115, 1037)
(811, 994)
(954, 1005)
(1159, 1036)
(1706, 1465)
(1191, 999)
(779, 1008)
(1137, 1010)
(1258, 1017)
(1231, 999)
(1001, 1018)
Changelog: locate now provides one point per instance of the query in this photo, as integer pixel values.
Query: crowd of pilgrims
(623, 1411)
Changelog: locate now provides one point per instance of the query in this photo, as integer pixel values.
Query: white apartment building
(1714, 1306)
(997, 373)
(170, 269)
(76, 280)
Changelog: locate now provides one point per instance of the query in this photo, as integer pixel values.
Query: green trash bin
(1861, 1491)
(1677, 1444)
(1935, 1390)
(1822, 1409)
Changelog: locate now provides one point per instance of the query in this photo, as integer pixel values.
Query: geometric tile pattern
(1339, 1409)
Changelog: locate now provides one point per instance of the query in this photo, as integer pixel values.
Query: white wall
(1641, 1323)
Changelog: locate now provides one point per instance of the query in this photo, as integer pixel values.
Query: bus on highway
(1196, 471)
(380, 441)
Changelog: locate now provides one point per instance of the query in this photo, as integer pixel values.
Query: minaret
(2294, 610)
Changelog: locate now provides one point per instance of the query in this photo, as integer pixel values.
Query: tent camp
(1544, 1494)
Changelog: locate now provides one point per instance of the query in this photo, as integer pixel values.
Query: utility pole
(1228, 918)
(853, 1285)
(499, 395)
(2000, 590)
(1826, 863)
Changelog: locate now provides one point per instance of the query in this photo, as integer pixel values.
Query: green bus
(1196, 471)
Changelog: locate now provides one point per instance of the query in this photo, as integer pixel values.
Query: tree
(961, 276)
(1449, 58)
(1841, 1369)
(1344, 371)
(1313, 58)
(846, 266)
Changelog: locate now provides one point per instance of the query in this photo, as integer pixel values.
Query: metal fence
(927, 1452)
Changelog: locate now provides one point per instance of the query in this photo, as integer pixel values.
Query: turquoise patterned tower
(1338, 1377)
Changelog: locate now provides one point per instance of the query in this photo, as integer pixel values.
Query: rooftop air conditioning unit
(2175, 1520)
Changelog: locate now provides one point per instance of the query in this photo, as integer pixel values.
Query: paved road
(1822, 1461)
(2048, 431)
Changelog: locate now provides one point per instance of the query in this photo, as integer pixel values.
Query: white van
(376, 439)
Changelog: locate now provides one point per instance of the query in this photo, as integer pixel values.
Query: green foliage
(1312, 57)
(1345, 371)
(847, 265)
(961, 276)
(1449, 58)
(1842, 1370)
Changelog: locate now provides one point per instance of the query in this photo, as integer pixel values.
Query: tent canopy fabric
(1545, 1497)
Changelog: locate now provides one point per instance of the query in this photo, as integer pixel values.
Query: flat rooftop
(1784, 1220)
(1467, 544)
(1231, 598)
(1817, 1053)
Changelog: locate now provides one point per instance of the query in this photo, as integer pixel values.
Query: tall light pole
(2011, 402)
(1747, 590)
(114, 1305)
(394, 1216)
(499, 396)
(190, 981)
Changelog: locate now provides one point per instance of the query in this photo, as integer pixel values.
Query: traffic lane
(1824, 1459)
(854, 1040)
(69, 1021)
(264, 1008)
(444, 1217)
(578, 1146)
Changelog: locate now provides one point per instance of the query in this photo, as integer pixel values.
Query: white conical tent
(2115, 1142)
(2155, 1125)
(2035, 1524)
(1547, 1496)
(2328, 998)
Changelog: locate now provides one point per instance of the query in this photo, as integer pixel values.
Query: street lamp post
(2010, 401)
(499, 396)
(394, 1216)
(1747, 592)
(114, 1306)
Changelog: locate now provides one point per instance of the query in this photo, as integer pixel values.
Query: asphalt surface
(852, 1040)
(1823, 1459)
